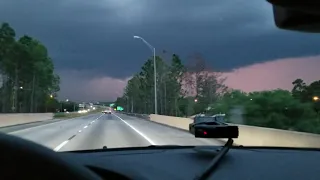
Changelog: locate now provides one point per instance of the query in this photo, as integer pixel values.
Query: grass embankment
(62, 115)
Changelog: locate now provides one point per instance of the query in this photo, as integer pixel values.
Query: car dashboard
(183, 163)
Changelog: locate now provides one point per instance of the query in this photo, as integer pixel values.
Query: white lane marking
(61, 145)
(98, 117)
(137, 131)
(65, 142)
(62, 121)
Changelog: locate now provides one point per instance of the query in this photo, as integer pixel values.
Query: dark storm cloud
(97, 36)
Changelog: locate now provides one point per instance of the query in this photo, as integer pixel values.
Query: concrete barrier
(142, 116)
(253, 136)
(23, 118)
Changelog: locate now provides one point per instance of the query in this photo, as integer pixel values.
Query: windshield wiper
(215, 161)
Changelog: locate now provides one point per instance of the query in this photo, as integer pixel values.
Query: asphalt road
(98, 130)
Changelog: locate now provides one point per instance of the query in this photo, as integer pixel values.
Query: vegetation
(185, 90)
(27, 79)
(175, 83)
(296, 110)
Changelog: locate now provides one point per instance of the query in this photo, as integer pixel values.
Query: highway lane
(51, 135)
(115, 130)
(12, 128)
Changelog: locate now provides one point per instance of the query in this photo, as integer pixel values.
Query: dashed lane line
(73, 136)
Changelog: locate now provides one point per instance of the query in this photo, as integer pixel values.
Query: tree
(174, 83)
(275, 109)
(7, 40)
(27, 73)
(132, 92)
(173, 80)
(299, 90)
(205, 83)
(307, 93)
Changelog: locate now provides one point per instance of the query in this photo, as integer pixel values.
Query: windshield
(63, 63)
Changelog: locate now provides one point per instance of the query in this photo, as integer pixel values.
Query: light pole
(154, 70)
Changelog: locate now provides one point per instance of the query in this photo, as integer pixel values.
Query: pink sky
(261, 76)
(274, 74)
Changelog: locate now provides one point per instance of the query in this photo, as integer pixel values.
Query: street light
(155, 72)
(315, 98)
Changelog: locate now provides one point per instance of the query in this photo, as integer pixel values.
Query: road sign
(119, 108)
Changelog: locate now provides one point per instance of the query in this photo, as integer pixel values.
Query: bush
(274, 109)
(59, 115)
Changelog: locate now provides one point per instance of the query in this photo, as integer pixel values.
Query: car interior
(23, 159)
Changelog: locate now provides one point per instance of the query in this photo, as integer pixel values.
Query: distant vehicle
(107, 111)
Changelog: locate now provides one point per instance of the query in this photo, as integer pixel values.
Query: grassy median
(63, 115)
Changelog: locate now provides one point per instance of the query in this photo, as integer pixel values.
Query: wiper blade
(215, 161)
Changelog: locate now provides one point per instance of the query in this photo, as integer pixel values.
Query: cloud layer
(96, 37)
(86, 86)
(274, 74)
(262, 76)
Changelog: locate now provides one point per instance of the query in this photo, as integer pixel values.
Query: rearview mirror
(297, 15)
(215, 131)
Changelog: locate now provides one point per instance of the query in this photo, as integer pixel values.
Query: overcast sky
(92, 45)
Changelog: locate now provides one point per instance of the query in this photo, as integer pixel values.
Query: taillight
(205, 133)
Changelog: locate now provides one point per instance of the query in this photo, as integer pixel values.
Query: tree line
(298, 109)
(27, 79)
(182, 90)
(187, 89)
